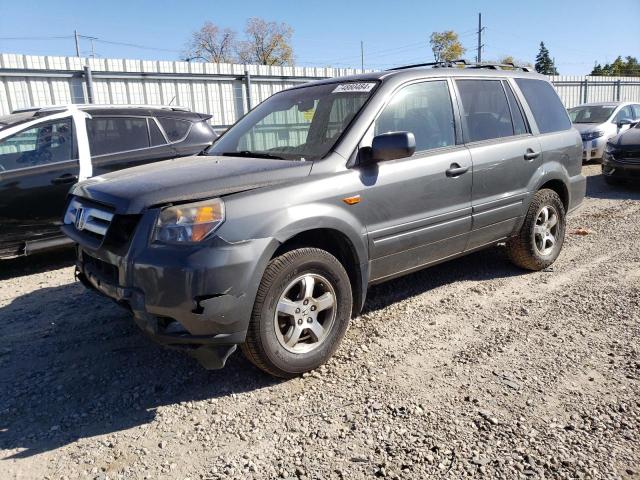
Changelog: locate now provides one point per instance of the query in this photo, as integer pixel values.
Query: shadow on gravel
(486, 264)
(73, 365)
(598, 188)
(38, 263)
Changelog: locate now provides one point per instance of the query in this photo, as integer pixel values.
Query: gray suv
(271, 241)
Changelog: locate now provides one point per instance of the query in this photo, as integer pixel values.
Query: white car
(598, 122)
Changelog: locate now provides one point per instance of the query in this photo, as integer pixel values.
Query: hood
(589, 127)
(628, 140)
(189, 178)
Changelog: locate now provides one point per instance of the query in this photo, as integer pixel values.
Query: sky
(328, 33)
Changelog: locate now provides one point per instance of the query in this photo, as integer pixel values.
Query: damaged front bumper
(193, 298)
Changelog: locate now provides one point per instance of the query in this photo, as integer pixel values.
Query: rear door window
(547, 109)
(175, 129)
(51, 142)
(117, 134)
(486, 109)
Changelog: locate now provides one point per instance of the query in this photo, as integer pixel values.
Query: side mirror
(392, 145)
(624, 121)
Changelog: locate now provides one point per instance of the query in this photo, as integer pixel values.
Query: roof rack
(462, 63)
(49, 108)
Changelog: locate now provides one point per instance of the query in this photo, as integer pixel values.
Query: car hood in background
(629, 139)
(190, 178)
(590, 127)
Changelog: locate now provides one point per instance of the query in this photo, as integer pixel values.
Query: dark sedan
(621, 159)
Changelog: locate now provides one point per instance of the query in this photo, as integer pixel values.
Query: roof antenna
(174, 97)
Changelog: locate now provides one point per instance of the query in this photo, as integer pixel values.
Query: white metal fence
(225, 91)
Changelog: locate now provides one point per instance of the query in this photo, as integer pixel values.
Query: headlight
(592, 135)
(191, 222)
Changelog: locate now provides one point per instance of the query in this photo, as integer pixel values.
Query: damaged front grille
(101, 269)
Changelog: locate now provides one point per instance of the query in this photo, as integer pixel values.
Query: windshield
(591, 114)
(298, 124)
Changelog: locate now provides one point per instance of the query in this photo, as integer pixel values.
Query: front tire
(301, 313)
(541, 237)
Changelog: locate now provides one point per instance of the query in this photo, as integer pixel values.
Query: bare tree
(266, 43)
(212, 44)
(446, 46)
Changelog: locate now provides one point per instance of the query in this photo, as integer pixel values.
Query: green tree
(544, 63)
(628, 67)
(446, 46)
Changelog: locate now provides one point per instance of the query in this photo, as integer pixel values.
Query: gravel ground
(470, 368)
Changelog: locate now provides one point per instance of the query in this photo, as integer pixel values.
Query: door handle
(66, 178)
(530, 154)
(456, 170)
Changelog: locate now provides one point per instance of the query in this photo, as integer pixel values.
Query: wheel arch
(349, 252)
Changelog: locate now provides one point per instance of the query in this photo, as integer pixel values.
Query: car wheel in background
(540, 239)
(301, 313)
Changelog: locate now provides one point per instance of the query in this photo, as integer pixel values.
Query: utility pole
(362, 56)
(75, 34)
(480, 45)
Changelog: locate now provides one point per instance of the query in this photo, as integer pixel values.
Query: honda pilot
(271, 240)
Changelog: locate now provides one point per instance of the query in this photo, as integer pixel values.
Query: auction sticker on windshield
(354, 87)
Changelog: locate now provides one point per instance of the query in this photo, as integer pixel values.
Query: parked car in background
(272, 240)
(598, 122)
(621, 160)
(44, 151)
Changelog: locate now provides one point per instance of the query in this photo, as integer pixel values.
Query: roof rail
(430, 64)
(462, 63)
(48, 108)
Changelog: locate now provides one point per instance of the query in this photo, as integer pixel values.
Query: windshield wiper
(249, 153)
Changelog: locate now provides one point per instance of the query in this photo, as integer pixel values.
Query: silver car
(598, 122)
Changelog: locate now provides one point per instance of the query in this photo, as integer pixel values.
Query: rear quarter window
(174, 128)
(548, 111)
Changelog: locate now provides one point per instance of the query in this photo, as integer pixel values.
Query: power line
(52, 37)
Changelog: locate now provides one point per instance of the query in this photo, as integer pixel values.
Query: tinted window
(548, 110)
(486, 110)
(155, 134)
(636, 111)
(423, 109)
(43, 144)
(174, 128)
(519, 125)
(116, 134)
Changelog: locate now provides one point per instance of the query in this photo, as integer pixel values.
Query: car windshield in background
(591, 114)
(299, 124)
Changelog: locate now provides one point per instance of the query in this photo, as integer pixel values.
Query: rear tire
(540, 239)
(301, 313)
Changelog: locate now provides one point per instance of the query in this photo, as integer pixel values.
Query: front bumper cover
(620, 169)
(196, 298)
